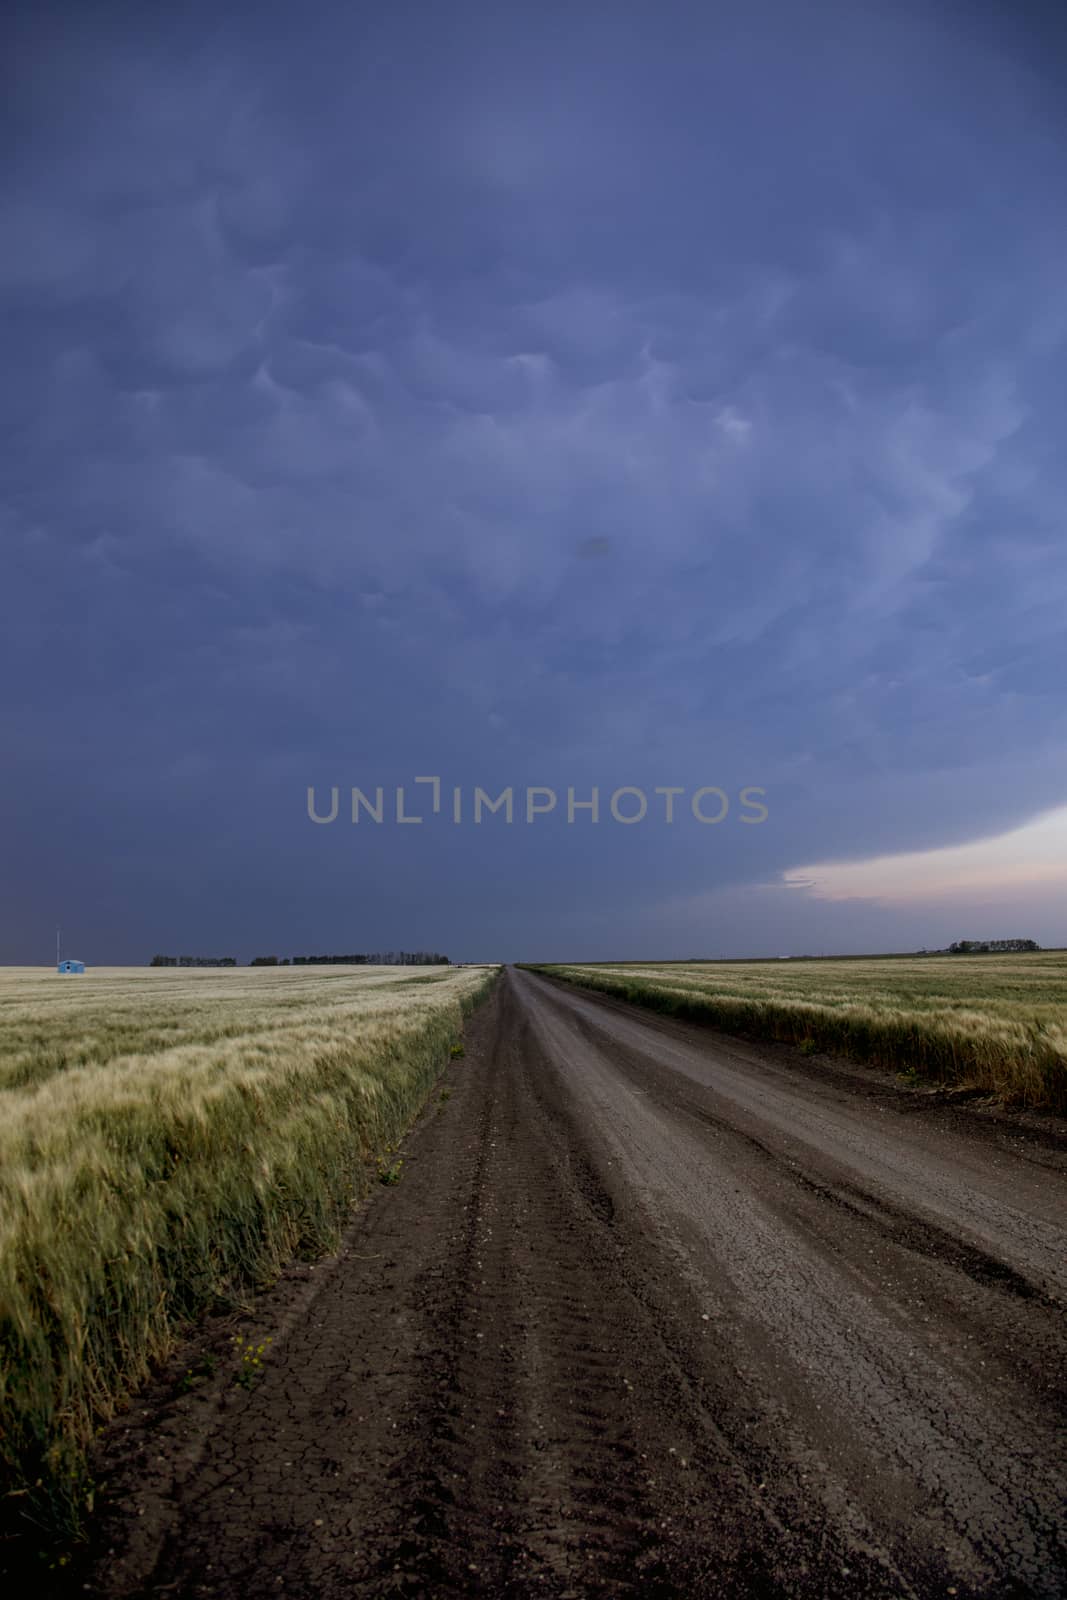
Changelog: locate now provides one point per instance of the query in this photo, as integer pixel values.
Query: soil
(651, 1312)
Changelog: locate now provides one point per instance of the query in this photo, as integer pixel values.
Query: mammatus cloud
(541, 404)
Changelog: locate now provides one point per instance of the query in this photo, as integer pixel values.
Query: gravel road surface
(651, 1312)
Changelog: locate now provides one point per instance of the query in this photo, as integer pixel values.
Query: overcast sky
(557, 395)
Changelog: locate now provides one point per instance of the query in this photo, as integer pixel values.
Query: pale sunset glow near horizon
(1030, 858)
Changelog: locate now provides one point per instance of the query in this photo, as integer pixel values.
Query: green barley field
(168, 1140)
(992, 1022)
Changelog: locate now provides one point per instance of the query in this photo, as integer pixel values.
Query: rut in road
(650, 1314)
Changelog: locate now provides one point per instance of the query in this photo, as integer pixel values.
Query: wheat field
(168, 1140)
(993, 1022)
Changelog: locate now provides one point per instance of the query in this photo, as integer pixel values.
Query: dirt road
(652, 1312)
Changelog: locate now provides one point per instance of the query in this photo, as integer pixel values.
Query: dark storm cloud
(571, 397)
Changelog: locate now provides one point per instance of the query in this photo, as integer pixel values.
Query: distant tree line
(379, 958)
(981, 947)
(192, 961)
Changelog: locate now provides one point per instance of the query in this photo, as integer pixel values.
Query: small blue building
(71, 966)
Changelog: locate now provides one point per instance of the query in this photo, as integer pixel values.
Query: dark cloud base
(589, 397)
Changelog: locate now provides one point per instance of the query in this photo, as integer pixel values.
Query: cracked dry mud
(652, 1312)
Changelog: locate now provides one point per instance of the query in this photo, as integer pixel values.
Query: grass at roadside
(169, 1140)
(997, 1023)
